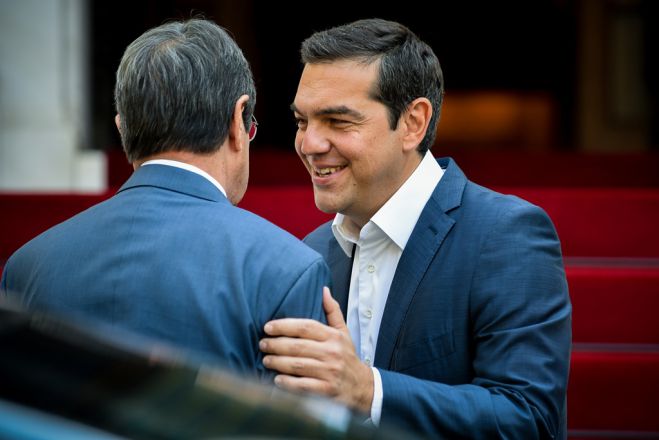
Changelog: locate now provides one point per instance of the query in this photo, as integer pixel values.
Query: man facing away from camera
(170, 256)
(458, 315)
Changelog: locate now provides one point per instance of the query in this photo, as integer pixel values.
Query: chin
(326, 205)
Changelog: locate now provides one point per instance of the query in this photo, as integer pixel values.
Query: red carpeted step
(614, 304)
(614, 391)
(600, 222)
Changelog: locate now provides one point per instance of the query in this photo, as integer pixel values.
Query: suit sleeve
(303, 299)
(305, 296)
(521, 334)
(3, 282)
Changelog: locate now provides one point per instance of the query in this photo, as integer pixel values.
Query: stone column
(44, 98)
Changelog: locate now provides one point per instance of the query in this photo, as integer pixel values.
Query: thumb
(332, 311)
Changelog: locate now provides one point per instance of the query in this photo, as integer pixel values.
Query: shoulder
(508, 225)
(282, 269)
(270, 238)
(462, 198)
(479, 212)
(63, 234)
(488, 203)
(320, 238)
(41, 252)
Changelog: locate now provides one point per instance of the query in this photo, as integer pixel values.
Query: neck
(210, 163)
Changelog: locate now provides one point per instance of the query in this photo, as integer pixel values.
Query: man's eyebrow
(338, 110)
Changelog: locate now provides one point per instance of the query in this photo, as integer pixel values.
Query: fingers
(302, 384)
(309, 328)
(312, 357)
(332, 311)
(350, 384)
(284, 346)
(298, 328)
(297, 366)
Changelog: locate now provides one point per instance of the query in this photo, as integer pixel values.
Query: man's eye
(339, 122)
(300, 122)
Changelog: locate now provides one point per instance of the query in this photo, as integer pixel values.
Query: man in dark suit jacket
(170, 256)
(458, 315)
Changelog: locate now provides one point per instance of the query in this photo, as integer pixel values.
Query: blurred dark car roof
(78, 379)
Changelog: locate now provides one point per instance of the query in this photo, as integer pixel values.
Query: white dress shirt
(187, 166)
(378, 247)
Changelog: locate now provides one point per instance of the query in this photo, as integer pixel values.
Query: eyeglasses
(252, 129)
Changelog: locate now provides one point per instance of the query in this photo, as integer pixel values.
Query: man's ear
(117, 122)
(237, 132)
(415, 122)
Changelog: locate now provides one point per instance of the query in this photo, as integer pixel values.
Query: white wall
(44, 98)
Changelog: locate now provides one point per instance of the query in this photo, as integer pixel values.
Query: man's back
(171, 258)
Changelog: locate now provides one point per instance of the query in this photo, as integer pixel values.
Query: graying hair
(177, 86)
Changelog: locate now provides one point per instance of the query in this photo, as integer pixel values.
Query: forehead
(340, 83)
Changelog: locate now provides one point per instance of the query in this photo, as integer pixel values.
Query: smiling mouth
(324, 172)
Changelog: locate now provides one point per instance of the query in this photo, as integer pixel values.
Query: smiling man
(369, 161)
(455, 298)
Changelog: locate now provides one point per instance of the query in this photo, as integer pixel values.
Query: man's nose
(314, 140)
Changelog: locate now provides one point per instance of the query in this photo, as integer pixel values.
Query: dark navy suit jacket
(476, 333)
(169, 257)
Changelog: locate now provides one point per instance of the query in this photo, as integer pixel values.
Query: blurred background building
(521, 77)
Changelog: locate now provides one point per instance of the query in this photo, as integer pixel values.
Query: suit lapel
(341, 266)
(430, 231)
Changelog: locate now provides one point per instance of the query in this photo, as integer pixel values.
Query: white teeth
(326, 171)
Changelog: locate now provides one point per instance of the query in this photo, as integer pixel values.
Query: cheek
(374, 168)
(366, 157)
(299, 136)
(298, 144)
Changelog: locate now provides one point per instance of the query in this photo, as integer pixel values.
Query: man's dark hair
(177, 86)
(408, 67)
